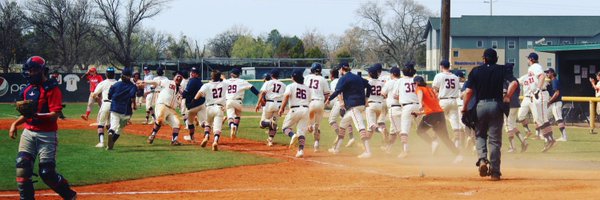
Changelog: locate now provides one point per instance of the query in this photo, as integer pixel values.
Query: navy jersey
(553, 87)
(353, 89)
(192, 87)
(121, 95)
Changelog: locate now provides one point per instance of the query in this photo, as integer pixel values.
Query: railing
(592, 101)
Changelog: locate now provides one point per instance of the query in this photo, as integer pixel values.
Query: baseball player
(433, 119)
(236, 88)
(524, 108)
(196, 110)
(181, 105)
(446, 85)
(353, 88)
(375, 108)
(104, 112)
(271, 93)
(39, 138)
(298, 96)
(540, 99)
(149, 95)
(336, 110)
(390, 92)
(167, 101)
(139, 95)
(319, 90)
(381, 119)
(596, 85)
(122, 104)
(409, 102)
(94, 79)
(214, 92)
(555, 103)
(510, 121)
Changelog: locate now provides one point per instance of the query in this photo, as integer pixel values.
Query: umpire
(487, 80)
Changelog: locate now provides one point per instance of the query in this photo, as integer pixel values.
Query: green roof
(567, 47)
(520, 26)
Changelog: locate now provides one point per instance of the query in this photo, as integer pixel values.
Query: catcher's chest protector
(37, 94)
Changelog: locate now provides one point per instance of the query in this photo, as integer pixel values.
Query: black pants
(437, 121)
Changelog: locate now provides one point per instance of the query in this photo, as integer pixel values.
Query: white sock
(101, 138)
(405, 147)
(339, 143)
(367, 147)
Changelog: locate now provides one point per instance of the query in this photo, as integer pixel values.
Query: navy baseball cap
(409, 65)
(372, 70)
(146, 68)
(267, 76)
(378, 66)
(275, 72)
(550, 70)
(490, 53)
(445, 63)
(299, 72)
(127, 71)
(179, 73)
(236, 71)
(195, 70)
(533, 56)
(460, 74)
(343, 64)
(395, 70)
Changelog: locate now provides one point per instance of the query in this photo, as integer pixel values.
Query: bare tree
(67, 25)
(312, 38)
(11, 26)
(222, 44)
(398, 24)
(120, 23)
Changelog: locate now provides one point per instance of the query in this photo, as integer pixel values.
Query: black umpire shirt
(487, 80)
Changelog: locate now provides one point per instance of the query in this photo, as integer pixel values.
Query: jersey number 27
(217, 93)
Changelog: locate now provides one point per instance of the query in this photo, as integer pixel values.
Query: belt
(215, 104)
(107, 101)
(373, 101)
(406, 104)
(317, 100)
(490, 100)
(273, 101)
(298, 106)
(395, 106)
(449, 98)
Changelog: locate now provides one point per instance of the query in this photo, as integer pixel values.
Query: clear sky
(203, 19)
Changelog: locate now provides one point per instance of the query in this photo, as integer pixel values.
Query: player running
(236, 88)
(337, 110)
(214, 92)
(540, 99)
(555, 104)
(409, 102)
(446, 84)
(271, 93)
(39, 138)
(375, 102)
(319, 90)
(390, 92)
(122, 104)
(168, 100)
(196, 110)
(298, 96)
(155, 92)
(381, 119)
(94, 79)
(149, 96)
(104, 112)
(510, 121)
(353, 88)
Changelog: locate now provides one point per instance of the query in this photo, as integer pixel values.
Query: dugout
(575, 64)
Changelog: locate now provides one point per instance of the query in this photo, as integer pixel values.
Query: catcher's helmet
(34, 62)
(316, 67)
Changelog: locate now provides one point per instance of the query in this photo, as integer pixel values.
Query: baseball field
(245, 168)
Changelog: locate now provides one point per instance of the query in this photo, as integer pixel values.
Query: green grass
(82, 164)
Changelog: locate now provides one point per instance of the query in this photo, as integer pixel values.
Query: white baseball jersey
(273, 89)
(376, 90)
(534, 71)
(214, 92)
(71, 81)
(103, 88)
(384, 77)
(318, 86)
(406, 90)
(170, 93)
(148, 77)
(332, 85)
(390, 89)
(527, 83)
(447, 84)
(159, 78)
(236, 88)
(300, 95)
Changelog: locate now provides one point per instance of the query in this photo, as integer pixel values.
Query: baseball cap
(490, 53)
(267, 76)
(146, 68)
(275, 72)
(551, 70)
(236, 71)
(299, 72)
(372, 70)
(445, 63)
(195, 70)
(533, 56)
(110, 69)
(127, 71)
(395, 70)
(179, 73)
(343, 64)
(378, 66)
(409, 65)
(460, 74)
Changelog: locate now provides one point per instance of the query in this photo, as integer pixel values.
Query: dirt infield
(324, 176)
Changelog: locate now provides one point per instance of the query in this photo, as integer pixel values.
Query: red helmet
(34, 62)
(93, 69)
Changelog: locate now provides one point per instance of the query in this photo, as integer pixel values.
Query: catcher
(40, 107)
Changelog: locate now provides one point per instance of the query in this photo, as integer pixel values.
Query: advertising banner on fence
(73, 87)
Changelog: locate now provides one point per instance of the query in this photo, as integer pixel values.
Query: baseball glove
(469, 118)
(27, 108)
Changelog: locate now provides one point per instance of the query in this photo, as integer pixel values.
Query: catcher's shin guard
(55, 181)
(24, 172)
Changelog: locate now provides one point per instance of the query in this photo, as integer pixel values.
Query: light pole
(491, 2)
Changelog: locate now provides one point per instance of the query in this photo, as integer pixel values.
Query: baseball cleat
(495, 178)
(215, 146)
(350, 142)
(151, 139)
(100, 145)
(111, 142)
(387, 148)
(510, 150)
(175, 143)
(483, 169)
(561, 139)
(524, 147)
(204, 142)
(403, 155)
(84, 117)
(333, 150)
(548, 146)
(300, 154)
(316, 146)
(364, 155)
(294, 140)
(270, 142)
